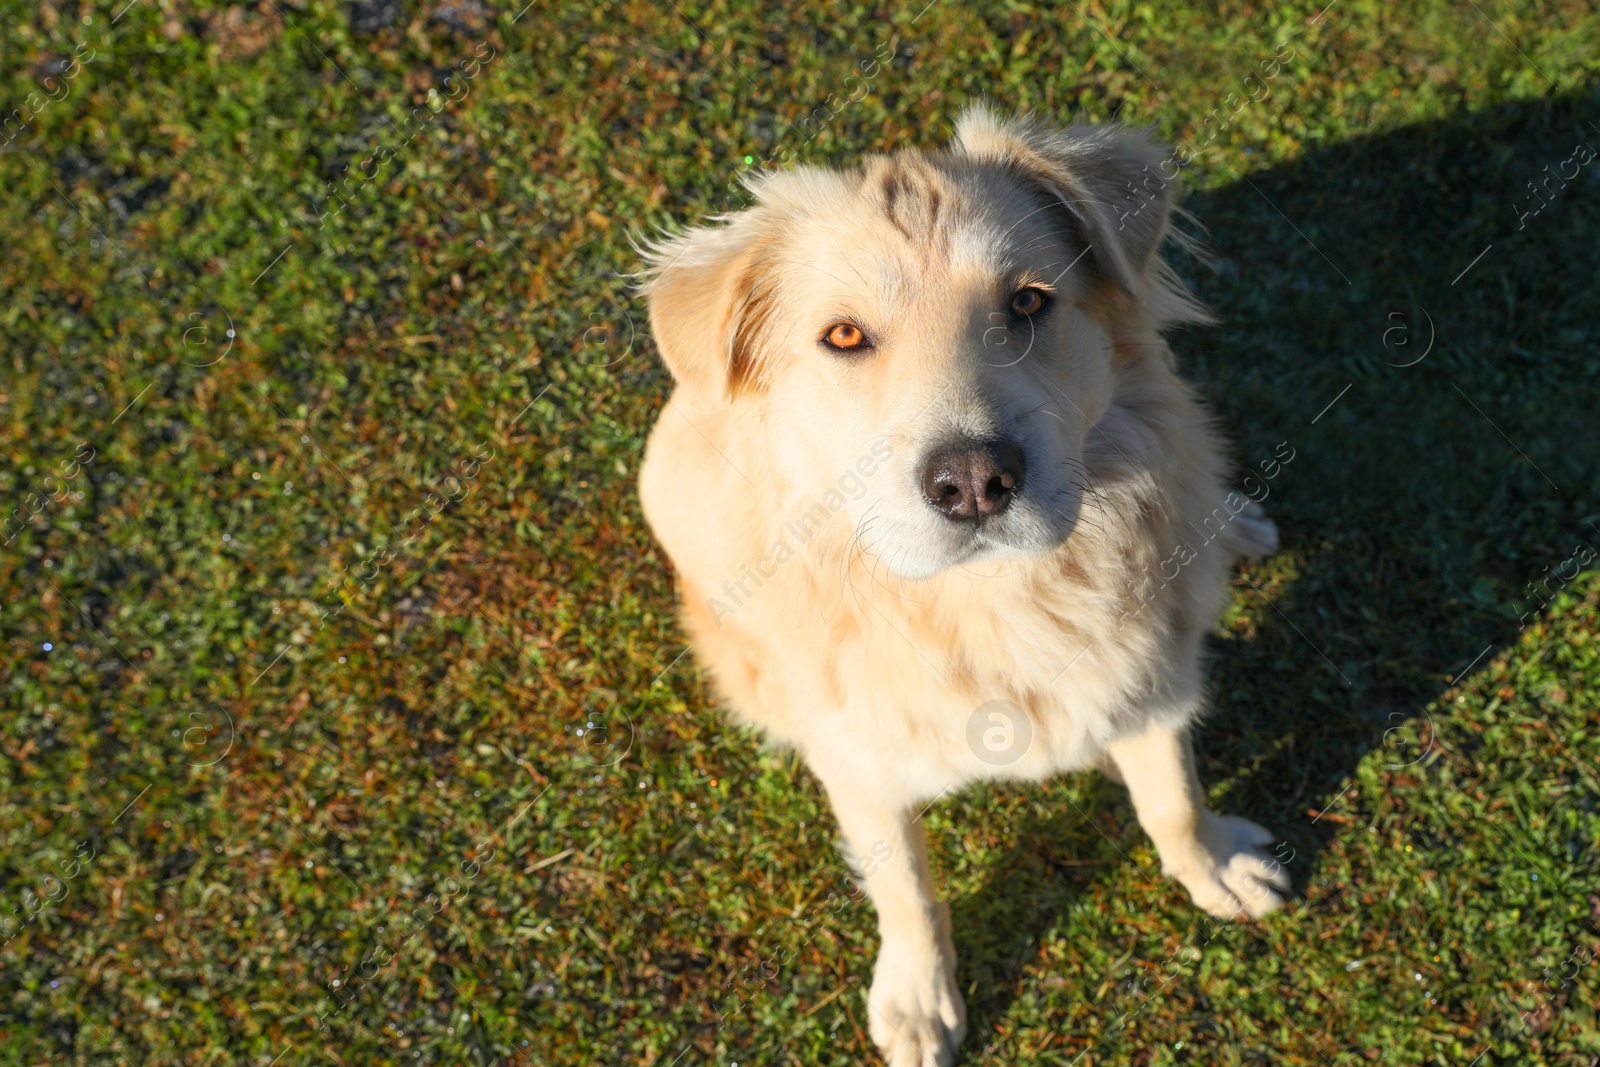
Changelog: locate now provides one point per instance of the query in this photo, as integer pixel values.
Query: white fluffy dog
(942, 510)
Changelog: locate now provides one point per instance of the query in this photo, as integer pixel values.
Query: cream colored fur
(902, 654)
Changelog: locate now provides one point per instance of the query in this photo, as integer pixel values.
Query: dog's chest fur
(831, 654)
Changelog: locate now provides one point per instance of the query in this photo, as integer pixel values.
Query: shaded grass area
(336, 649)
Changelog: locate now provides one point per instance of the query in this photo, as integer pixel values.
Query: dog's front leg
(917, 1015)
(1218, 858)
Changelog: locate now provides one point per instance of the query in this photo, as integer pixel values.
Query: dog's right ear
(709, 302)
(1105, 178)
(1110, 183)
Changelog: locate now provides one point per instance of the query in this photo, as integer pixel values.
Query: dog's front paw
(1254, 535)
(917, 1015)
(1232, 877)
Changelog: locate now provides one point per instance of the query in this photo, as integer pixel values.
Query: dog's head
(929, 339)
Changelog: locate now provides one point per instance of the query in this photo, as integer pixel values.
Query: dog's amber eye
(1027, 303)
(845, 335)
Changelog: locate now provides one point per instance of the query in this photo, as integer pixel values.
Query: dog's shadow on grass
(1411, 314)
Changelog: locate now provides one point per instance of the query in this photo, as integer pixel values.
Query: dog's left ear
(709, 301)
(1107, 177)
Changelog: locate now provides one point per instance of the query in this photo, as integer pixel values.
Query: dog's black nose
(971, 482)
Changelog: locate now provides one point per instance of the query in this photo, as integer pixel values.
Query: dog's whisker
(1028, 216)
(819, 270)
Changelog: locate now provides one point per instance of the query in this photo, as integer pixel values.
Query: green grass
(260, 700)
